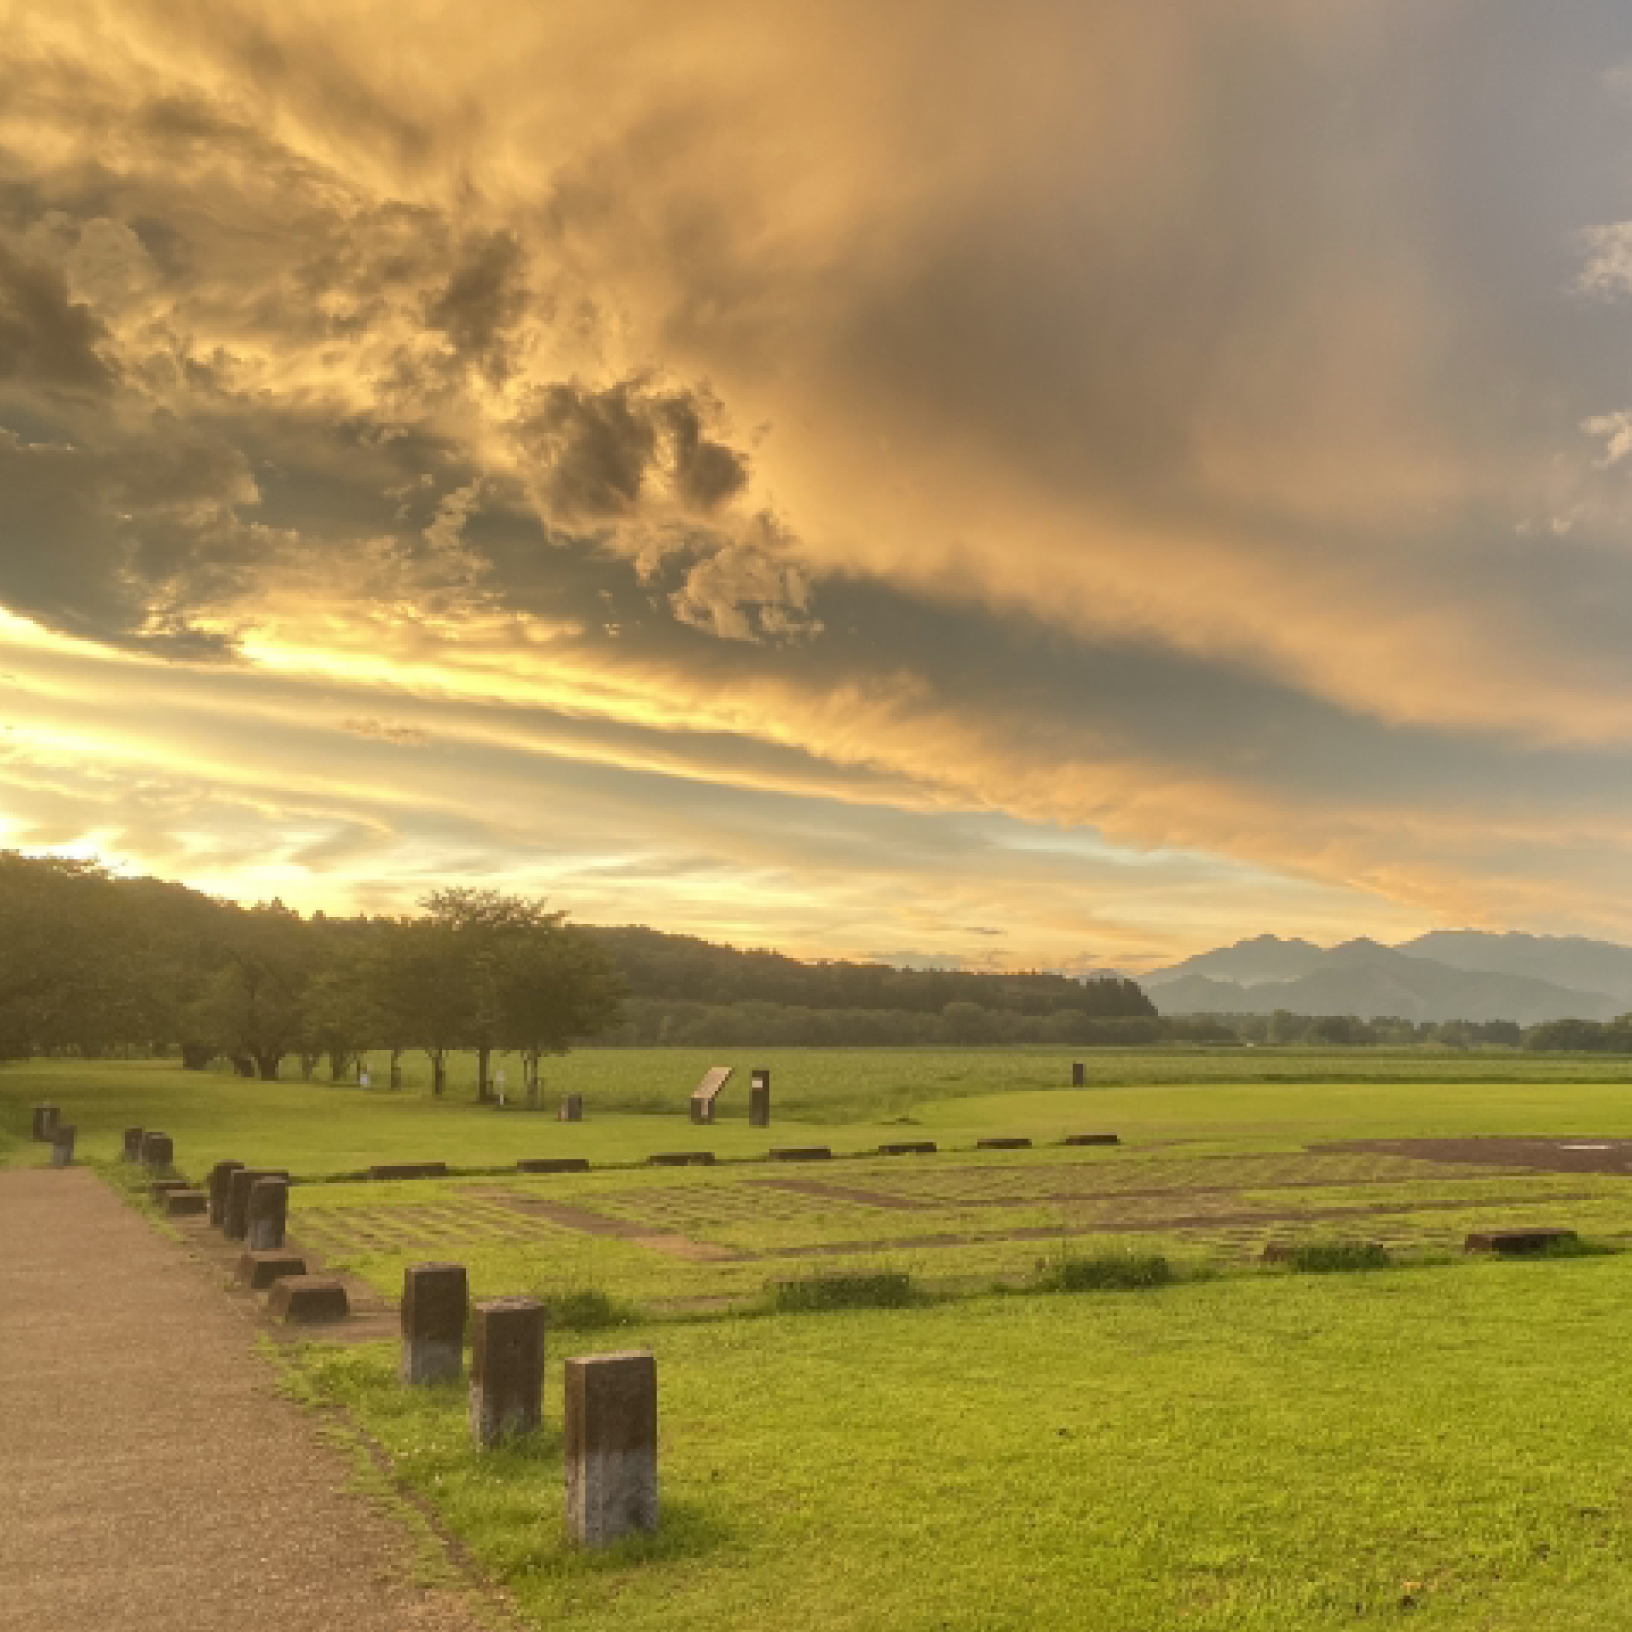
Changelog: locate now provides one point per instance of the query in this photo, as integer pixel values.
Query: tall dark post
(506, 1369)
(759, 1097)
(611, 1434)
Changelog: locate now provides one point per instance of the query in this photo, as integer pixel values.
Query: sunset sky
(1061, 483)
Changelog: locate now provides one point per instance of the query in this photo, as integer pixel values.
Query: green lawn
(1244, 1449)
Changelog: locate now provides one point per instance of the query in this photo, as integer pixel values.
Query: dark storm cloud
(47, 339)
(483, 299)
(598, 450)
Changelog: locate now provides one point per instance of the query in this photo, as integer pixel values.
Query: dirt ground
(1579, 1153)
(154, 1477)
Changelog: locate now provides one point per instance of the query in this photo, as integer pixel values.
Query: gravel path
(151, 1476)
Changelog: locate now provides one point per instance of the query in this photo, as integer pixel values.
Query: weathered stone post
(611, 1433)
(1079, 1074)
(506, 1368)
(572, 1108)
(62, 1145)
(45, 1119)
(267, 1214)
(158, 1152)
(435, 1303)
(235, 1221)
(220, 1182)
(133, 1144)
(759, 1097)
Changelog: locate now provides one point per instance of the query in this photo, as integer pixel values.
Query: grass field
(1245, 1448)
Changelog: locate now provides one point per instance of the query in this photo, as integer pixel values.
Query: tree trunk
(195, 1056)
(396, 1068)
(266, 1062)
(529, 1070)
(484, 1056)
(439, 1071)
(339, 1064)
(243, 1065)
(308, 1064)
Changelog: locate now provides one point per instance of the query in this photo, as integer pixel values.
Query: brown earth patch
(1574, 1153)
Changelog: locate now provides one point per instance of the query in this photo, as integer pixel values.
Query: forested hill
(91, 963)
(683, 968)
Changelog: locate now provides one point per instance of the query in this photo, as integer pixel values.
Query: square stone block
(44, 1120)
(235, 1221)
(506, 1368)
(133, 1144)
(160, 1189)
(220, 1185)
(62, 1144)
(184, 1203)
(572, 1108)
(259, 1270)
(435, 1306)
(307, 1300)
(611, 1446)
(158, 1151)
(267, 1214)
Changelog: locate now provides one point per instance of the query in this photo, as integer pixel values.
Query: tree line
(92, 963)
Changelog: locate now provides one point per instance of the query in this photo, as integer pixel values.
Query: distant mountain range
(1455, 974)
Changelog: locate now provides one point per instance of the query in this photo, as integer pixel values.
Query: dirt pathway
(152, 1477)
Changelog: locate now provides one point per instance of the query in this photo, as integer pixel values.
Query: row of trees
(90, 963)
(1389, 1031)
(684, 970)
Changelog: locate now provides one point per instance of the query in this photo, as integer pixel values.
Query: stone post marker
(506, 1368)
(133, 1144)
(572, 1108)
(1079, 1074)
(62, 1145)
(235, 1221)
(435, 1302)
(158, 1151)
(220, 1182)
(45, 1119)
(267, 1214)
(759, 1097)
(611, 1433)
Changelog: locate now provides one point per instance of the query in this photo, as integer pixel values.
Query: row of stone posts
(610, 1408)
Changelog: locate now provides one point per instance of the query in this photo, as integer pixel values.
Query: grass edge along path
(1248, 1453)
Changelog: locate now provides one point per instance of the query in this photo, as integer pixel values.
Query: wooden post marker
(759, 1097)
(707, 1091)
(267, 1214)
(572, 1108)
(611, 1433)
(435, 1302)
(158, 1151)
(1079, 1074)
(220, 1182)
(506, 1368)
(62, 1144)
(133, 1144)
